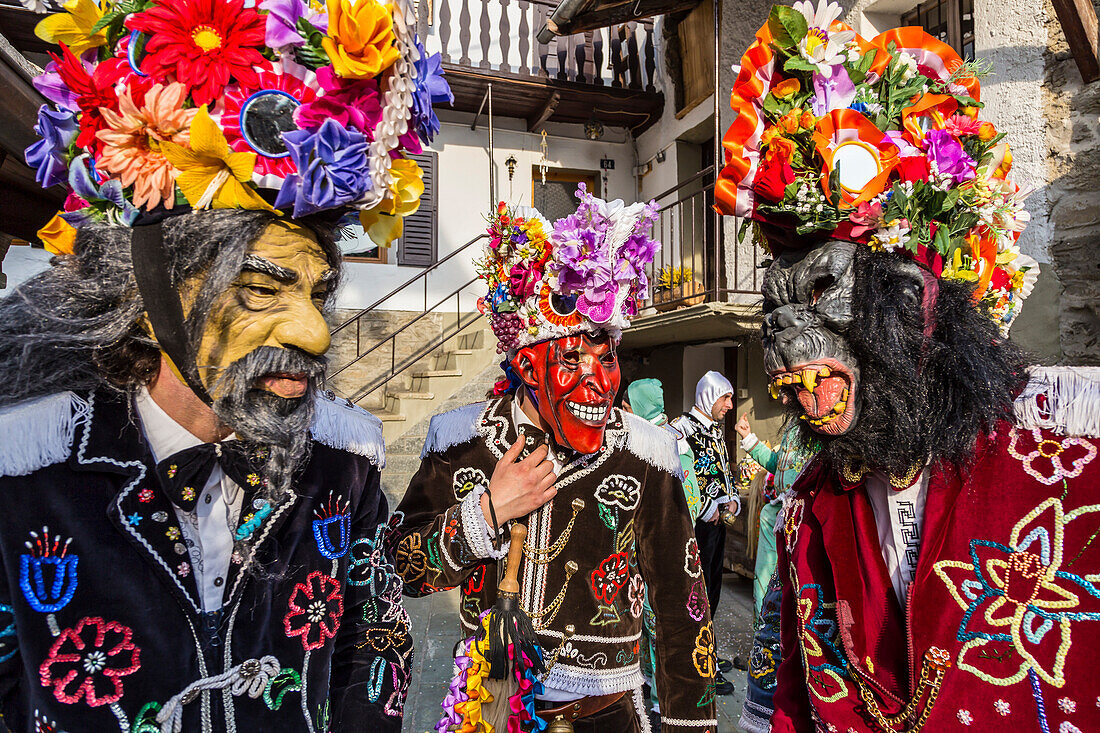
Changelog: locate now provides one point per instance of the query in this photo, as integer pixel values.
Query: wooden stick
(510, 584)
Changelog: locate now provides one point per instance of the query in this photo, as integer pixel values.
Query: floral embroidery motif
(702, 656)
(1002, 708)
(1050, 460)
(697, 601)
(369, 566)
(411, 561)
(466, 480)
(9, 642)
(47, 576)
(475, 582)
(173, 533)
(792, 511)
(965, 717)
(636, 595)
(1021, 594)
(314, 610)
(336, 515)
(188, 493)
(183, 570)
(610, 577)
(87, 662)
(145, 496)
(1067, 706)
(621, 491)
(693, 565)
(825, 661)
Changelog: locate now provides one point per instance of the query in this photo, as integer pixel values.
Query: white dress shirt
(208, 529)
(899, 517)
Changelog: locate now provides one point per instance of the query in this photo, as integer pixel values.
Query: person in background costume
(701, 427)
(191, 529)
(598, 489)
(784, 464)
(646, 399)
(937, 556)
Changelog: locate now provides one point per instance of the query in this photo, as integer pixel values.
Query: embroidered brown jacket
(618, 523)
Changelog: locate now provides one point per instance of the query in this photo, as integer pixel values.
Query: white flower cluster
(809, 200)
(908, 64)
(937, 180)
(892, 237)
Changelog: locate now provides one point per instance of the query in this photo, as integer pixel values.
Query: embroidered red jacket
(1001, 628)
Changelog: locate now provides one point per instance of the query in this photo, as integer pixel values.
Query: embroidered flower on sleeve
(87, 662)
(1002, 708)
(411, 560)
(697, 601)
(466, 480)
(1067, 705)
(702, 656)
(636, 594)
(610, 577)
(693, 566)
(1049, 460)
(314, 610)
(965, 717)
(621, 491)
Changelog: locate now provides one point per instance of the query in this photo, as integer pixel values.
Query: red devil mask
(574, 380)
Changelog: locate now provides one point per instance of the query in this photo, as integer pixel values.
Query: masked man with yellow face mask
(190, 526)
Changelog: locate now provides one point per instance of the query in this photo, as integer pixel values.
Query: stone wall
(1073, 158)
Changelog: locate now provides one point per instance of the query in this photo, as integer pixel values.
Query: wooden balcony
(606, 73)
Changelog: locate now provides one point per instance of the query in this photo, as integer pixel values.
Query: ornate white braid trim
(476, 530)
(249, 677)
(396, 109)
(593, 683)
(678, 723)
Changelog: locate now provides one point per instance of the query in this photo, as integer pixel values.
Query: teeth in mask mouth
(592, 413)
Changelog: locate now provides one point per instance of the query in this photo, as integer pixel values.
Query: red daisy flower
(314, 610)
(93, 90)
(87, 662)
(202, 43)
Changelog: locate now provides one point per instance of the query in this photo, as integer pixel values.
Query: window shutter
(418, 243)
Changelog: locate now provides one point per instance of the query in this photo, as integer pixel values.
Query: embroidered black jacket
(619, 523)
(712, 463)
(101, 625)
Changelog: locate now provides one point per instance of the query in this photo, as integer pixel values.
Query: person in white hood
(702, 428)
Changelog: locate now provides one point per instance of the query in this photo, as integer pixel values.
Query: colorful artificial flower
(47, 156)
(947, 156)
(73, 28)
(431, 89)
(93, 91)
(212, 175)
(360, 42)
(862, 153)
(832, 90)
(823, 45)
(58, 236)
(132, 137)
(203, 44)
(891, 237)
(283, 16)
(332, 169)
(354, 103)
(106, 201)
(384, 223)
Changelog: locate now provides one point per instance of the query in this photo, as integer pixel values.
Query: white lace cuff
(478, 533)
(749, 442)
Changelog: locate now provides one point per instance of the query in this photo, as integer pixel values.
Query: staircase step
(438, 373)
(413, 395)
(460, 352)
(389, 416)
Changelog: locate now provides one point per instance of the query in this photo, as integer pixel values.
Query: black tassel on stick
(509, 626)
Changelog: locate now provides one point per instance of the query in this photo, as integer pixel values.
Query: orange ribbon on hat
(845, 135)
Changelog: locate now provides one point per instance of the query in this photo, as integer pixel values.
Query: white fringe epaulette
(39, 432)
(651, 443)
(1072, 405)
(452, 428)
(344, 426)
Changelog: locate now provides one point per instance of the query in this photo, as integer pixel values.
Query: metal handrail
(422, 274)
(686, 182)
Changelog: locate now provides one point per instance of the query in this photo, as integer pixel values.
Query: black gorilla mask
(845, 348)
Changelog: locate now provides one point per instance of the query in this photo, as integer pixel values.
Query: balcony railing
(500, 36)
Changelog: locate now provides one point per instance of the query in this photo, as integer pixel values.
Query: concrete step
(460, 352)
(386, 416)
(412, 395)
(428, 373)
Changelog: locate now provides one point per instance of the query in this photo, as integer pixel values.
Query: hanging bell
(559, 725)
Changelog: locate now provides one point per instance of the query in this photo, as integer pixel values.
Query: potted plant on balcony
(677, 288)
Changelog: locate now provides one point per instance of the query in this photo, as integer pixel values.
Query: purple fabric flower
(84, 186)
(832, 91)
(282, 22)
(431, 89)
(354, 103)
(333, 169)
(51, 87)
(948, 155)
(47, 156)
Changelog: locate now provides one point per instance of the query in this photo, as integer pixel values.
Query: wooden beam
(1078, 19)
(540, 118)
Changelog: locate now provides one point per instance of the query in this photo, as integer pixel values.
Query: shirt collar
(165, 436)
(701, 416)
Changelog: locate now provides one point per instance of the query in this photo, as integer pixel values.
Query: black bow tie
(184, 475)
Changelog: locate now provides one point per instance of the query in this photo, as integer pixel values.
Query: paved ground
(435, 631)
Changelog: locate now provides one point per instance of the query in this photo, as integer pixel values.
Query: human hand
(520, 487)
(742, 426)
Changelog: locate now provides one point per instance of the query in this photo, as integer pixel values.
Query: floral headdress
(877, 142)
(586, 274)
(158, 105)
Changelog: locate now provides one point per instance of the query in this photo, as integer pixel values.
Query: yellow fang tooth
(803, 416)
(824, 372)
(844, 395)
(840, 407)
(787, 379)
(809, 379)
(773, 390)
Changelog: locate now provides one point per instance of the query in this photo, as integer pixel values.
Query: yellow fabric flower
(360, 41)
(384, 223)
(73, 27)
(58, 236)
(211, 174)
